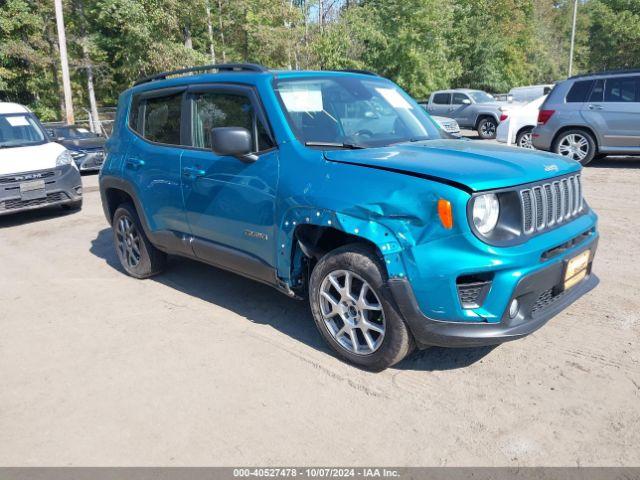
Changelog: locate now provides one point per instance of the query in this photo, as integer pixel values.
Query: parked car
(591, 116)
(449, 125)
(529, 93)
(397, 238)
(87, 148)
(34, 172)
(517, 122)
(472, 109)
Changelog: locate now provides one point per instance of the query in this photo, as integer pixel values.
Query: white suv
(34, 172)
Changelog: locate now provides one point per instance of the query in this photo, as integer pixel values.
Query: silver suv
(470, 108)
(592, 116)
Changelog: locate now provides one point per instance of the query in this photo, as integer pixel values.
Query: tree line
(421, 44)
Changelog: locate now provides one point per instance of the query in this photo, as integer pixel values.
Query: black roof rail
(606, 72)
(354, 70)
(222, 67)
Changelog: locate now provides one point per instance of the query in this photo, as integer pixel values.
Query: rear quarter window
(579, 91)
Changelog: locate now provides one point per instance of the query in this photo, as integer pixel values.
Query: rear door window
(597, 92)
(580, 91)
(162, 119)
(622, 89)
(442, 98)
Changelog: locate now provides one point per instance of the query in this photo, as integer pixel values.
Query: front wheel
(577, 145)
(487, 128)
(353, 316)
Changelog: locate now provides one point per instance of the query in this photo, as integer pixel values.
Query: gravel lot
(201, 367)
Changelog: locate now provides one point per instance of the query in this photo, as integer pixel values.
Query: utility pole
(64, 62)
(212, 50)
(573, 36)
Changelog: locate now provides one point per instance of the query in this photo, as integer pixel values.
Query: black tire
(591, 151)
(523, 139)
(488, 128)
(396, 342)
(72, 207)
(145, 260)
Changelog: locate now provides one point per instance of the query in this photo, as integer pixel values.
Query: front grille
(50, 198)
(550, 203)
(27, 177)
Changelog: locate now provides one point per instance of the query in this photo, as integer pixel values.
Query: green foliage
(421, 44)
(614, 34)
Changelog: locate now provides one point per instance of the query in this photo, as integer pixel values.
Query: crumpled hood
(472, 164)
(30, 158)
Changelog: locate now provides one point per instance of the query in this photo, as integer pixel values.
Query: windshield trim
(37, 124)
(381, 80)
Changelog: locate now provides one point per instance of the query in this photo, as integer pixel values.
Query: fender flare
(373, 232)
(117, 183)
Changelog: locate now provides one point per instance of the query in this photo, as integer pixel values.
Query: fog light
(79, 190)
(514, 308)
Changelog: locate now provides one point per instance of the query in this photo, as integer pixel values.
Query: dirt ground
(201, 367)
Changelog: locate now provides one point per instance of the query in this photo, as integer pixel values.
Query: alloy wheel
(526, 141)
(488, 129)
(128, 241)
(352, 312)
(574, 146)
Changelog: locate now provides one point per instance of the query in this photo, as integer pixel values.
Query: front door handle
(134, 163)
(193, 172)
(595, 107)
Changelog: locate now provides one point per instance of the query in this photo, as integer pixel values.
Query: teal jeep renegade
(338, 187)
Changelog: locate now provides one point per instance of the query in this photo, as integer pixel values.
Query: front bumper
(539, 295)
(62, 186)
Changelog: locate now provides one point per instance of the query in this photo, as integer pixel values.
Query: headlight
(64, 159)
(486, 209)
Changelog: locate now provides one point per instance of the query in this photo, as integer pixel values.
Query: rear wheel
(578, 145)
(524, 138)
(137, 255)
(487, 128)
(358, 323)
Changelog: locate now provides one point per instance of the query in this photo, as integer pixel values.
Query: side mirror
(466, 101)
(234, 142)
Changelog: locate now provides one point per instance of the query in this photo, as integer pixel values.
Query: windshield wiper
(412, 140)
(350, 146)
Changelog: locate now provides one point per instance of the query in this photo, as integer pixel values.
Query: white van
(34, 171)
(529, 93)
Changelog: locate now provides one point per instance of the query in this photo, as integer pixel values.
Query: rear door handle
(193, 172)
(595, 107)
(134, 163)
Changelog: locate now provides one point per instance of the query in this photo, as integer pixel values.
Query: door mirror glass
(232, 141)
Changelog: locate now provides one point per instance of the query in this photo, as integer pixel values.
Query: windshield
(481, 97)
(73, 132)
(19, 131)
(351, 111)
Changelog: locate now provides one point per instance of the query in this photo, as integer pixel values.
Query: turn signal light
(445, 213)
